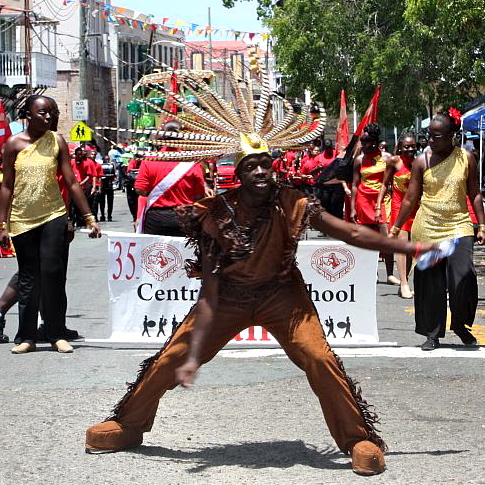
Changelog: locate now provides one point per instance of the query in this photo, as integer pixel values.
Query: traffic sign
(81, 132)
(80, 110)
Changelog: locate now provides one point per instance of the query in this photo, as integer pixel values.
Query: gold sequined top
(36, 195)
(443, 213)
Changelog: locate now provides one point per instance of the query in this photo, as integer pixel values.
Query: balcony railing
(13, 69)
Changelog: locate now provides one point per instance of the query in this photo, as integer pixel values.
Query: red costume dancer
(371, 176)
(399, 188)
(398, 173)
(366, 209)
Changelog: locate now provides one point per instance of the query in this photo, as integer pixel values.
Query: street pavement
(251, 418)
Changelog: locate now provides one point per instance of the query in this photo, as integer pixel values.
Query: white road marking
(391, 352)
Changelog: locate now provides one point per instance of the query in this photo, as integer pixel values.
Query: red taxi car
(226, 175)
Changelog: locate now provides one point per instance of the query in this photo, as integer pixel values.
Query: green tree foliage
(426, 53)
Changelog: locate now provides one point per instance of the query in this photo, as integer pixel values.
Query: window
(197, 61)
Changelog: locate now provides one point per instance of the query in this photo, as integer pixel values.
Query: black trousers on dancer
(332, 198)
(457, 275)
(42, 278)
(162, 222)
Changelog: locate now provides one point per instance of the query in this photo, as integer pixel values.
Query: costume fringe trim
(371, 419)
(144, 366)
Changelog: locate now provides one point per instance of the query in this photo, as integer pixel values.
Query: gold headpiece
(216, 127)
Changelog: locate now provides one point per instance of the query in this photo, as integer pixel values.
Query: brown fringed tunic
(254, 251)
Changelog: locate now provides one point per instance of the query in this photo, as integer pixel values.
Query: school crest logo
(332, 262)
(161, 260)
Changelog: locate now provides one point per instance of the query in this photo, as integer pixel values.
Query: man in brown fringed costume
(245, 243)
(246, 240)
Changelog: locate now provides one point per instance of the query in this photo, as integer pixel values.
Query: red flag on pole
(174, 86)
(342, 136)
(370, 115)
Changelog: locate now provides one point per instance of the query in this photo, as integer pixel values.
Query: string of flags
(120, 15)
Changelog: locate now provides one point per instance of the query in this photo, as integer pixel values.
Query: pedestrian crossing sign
(81, 132)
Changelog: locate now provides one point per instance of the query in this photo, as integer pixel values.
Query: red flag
(370, 115)
(174, 86)
(342, 136)
(5, 132)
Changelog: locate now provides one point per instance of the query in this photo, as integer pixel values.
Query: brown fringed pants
(286, 312)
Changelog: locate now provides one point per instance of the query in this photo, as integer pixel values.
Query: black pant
(457, 275)
(162, 222)
(42, 278)
(107, 193)
(132, 198)
(332, 198)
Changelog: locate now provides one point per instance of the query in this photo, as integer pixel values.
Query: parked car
(226, 174)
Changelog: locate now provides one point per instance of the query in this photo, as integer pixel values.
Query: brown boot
(111, 436)
(367, 459)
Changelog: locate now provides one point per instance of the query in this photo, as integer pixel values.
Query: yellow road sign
(81, 132)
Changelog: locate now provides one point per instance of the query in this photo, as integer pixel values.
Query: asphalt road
(251, 418)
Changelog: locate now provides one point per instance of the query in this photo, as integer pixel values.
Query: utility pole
(82, 51)
(224, 74)
(210, 40)
(28, 46)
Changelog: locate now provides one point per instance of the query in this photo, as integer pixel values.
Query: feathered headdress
(214, 127)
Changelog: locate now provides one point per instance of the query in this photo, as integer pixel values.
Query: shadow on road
(270, 454)
(255, 455)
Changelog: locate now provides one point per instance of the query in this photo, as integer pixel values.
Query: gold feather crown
(216, 127)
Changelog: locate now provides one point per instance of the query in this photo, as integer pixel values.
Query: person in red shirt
(309, 169)
(167, 185)
(96, 191)
(85, 172)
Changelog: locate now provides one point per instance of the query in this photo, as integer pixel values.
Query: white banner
(150, 292)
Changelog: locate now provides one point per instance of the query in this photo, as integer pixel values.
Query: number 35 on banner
(123, 260)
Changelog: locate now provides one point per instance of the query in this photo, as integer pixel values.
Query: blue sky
(242, 17)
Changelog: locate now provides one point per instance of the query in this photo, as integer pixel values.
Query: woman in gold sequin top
(444, 176)
(33, 212)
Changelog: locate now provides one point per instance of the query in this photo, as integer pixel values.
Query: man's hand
(187, 373)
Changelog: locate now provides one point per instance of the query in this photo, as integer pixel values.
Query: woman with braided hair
(443, 177)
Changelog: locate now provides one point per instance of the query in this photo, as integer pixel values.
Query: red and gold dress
(371, 176)
(400, 186)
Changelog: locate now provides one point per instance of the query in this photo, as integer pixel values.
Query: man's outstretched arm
(363, 237)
